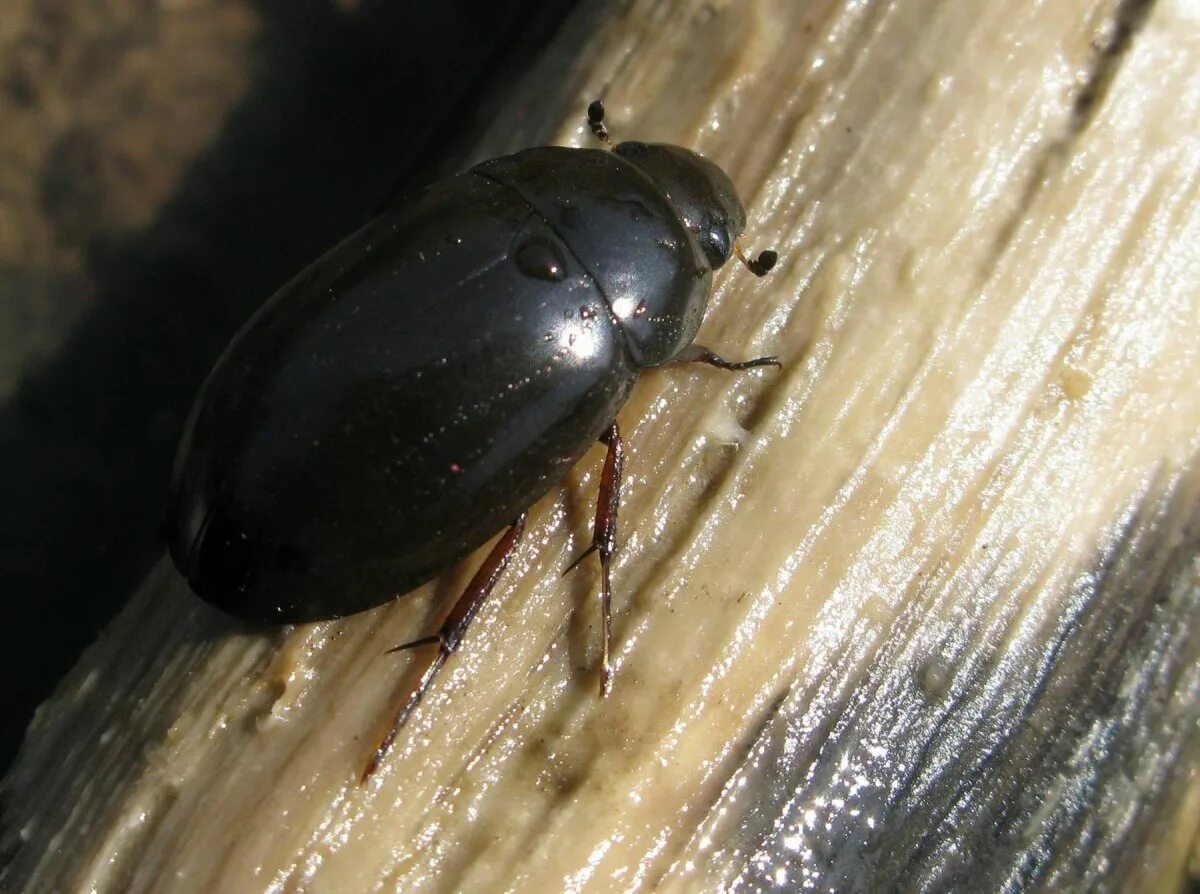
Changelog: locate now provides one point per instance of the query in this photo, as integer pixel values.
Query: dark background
(346, 104)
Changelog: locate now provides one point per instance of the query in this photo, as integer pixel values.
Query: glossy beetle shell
(427, 380)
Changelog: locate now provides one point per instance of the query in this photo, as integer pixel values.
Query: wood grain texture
(920, 611)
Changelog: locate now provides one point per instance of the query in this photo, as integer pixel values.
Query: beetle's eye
(717, 245)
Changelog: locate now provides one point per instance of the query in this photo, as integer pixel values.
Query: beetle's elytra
(423, 383)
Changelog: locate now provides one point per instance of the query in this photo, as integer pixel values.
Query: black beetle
(422, 384)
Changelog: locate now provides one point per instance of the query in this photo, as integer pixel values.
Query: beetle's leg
(595, 116)
(761, 265)
(450, 634)
(604, 542)
(701, 354)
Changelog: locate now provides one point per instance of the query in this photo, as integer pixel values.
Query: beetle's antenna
(761, 265)
(595, 116)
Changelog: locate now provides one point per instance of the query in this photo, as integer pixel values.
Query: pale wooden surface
(920, 610)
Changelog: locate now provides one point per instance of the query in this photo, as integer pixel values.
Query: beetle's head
(700, 191)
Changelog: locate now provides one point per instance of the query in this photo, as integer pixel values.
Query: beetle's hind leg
(449, 635)
(604, 542)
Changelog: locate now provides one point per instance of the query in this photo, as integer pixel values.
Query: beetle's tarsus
(402, 713)
(700, 354)
(448, 637)
(606, 625)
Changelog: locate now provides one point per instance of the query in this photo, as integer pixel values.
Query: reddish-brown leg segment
(449, 636)
(604, 542)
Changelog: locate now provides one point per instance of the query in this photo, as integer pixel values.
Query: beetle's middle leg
(700, 354)
(604, 542)
(453, 628)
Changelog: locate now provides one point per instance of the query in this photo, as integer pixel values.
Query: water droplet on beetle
(541, 259)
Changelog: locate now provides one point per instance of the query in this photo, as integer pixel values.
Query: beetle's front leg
(449, 635)
(700, 354)
(604, 542)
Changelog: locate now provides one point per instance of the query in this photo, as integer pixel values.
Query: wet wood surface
(919, 611)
